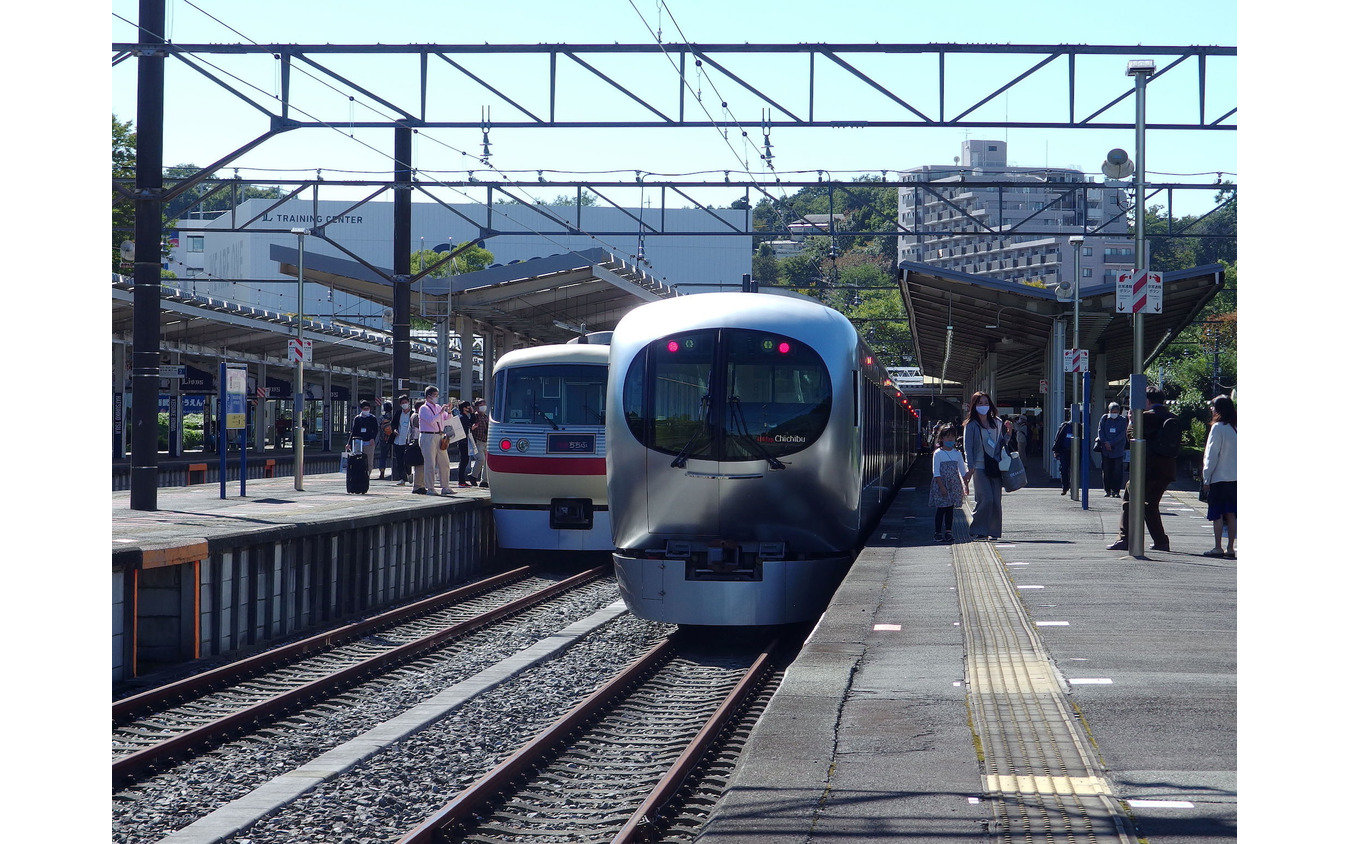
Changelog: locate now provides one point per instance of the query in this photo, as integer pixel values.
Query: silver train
(753, 443)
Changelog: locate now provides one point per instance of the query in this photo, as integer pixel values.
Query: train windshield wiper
(547, 418)
(683, 457)
(743, 436)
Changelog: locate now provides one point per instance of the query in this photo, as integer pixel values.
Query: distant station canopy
(958, 319)
(548, 298)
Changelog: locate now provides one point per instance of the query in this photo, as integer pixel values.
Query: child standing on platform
(948, 488)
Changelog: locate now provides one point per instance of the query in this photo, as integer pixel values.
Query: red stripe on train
(513, 465)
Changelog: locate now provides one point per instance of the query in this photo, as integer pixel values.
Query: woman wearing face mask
(401, 424)
(948, 487)
(985, 441)
(1111, 443)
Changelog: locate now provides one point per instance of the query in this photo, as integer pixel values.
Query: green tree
(471, 260)
(567, 200)
(191, 201)
(123, 167)
(764, 266)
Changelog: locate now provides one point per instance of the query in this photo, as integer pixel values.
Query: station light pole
(298, 388)
(1077, 241)
(1141, 70)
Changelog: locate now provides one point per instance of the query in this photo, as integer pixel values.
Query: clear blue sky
(204, 123)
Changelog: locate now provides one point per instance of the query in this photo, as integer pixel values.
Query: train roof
(751, 310)
(556, 353)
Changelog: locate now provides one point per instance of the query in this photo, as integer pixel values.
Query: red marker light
(672, 346)
(504, 445)
(784, 348)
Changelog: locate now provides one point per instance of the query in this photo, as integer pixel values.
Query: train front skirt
(786, 591)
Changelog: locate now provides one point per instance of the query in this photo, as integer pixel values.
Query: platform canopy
(957, 319)
(548, 299)
(206, 326)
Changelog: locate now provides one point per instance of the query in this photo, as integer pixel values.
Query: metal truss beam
(526, 84)
(479, 205)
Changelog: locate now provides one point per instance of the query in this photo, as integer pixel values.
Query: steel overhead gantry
(530, 80)
(908, 105)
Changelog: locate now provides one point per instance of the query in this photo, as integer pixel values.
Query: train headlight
(522, 445)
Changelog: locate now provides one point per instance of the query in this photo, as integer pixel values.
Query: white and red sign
(301, 351)
(1075, 360)
(1139, 292)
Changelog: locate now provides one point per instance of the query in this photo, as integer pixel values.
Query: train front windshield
(557, 393)
(727, 395)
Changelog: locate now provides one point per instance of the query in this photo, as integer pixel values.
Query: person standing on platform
(401, 424)
(1063, 443)
(467, 447)
(1220, 475)
(419, 472)
(1020, 432)
(386, 439)
(431, 421)
(1160, 431)
(985, 441)
(365, 428)
(480, 437)
(1111, 442)
(948, 487)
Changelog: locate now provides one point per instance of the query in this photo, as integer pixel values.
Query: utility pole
(1141, 70)
(149, 227)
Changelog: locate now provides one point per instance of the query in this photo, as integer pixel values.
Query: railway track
(178, 720)
(605, 770)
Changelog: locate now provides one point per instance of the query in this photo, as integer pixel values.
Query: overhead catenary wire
(350, 134)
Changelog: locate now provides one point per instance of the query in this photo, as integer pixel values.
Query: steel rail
(127, 766)
(498, 778)
(663, 791)
(123, 710)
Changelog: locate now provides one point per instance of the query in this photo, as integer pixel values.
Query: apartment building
(1018, 233)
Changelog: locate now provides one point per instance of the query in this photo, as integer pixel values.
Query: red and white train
(546, 447)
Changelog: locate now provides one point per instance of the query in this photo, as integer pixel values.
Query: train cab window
(560, 394)
(727, 395)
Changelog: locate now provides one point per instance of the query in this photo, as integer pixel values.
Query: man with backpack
(1161, 432)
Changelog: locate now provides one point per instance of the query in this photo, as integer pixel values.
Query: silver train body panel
(748, 540)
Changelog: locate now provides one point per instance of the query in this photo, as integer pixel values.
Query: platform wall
(172, 605)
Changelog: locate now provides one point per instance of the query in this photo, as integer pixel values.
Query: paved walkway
(892, 725)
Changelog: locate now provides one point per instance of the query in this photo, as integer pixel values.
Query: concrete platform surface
(197, 513)
(870, 736)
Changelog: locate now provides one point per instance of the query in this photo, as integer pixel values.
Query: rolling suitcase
(358, 473)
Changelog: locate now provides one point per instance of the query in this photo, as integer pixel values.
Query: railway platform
(1037, 687)
(203, 576)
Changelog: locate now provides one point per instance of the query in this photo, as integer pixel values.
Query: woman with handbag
(412, 456)
(985, 442)
(433, 422)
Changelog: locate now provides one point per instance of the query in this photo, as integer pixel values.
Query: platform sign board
(301, 351)
(236, 389)
(1075, 360)
(234, 395)
(1139, 292)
